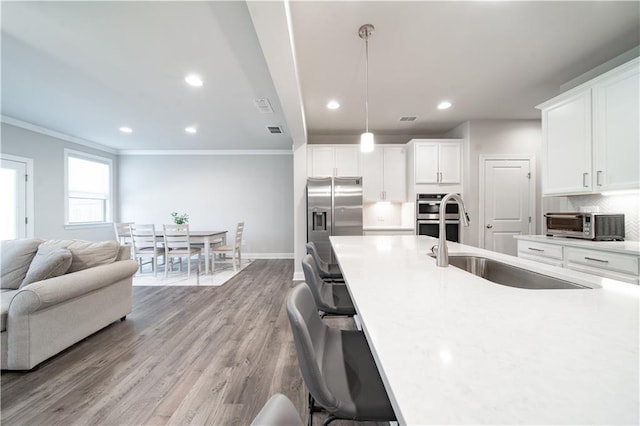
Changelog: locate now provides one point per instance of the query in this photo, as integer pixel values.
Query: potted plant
(180, 219)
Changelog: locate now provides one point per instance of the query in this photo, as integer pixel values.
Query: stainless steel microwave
(588, 226)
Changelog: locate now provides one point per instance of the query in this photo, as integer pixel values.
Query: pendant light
(366, 139)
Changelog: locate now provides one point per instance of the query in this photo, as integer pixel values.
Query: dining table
(207, 238)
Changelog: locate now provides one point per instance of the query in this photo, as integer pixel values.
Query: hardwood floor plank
(185, 355)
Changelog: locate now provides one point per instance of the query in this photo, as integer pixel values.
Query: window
(88, 187)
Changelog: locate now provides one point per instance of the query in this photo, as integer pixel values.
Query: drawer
(552, 251)
(603, 260)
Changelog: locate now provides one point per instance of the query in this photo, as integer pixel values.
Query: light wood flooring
(185, 355)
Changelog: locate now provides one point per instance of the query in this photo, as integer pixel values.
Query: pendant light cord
(366, 66)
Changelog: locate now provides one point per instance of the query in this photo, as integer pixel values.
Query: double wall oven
(428, 216)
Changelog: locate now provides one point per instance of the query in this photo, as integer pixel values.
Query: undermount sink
(512, 276)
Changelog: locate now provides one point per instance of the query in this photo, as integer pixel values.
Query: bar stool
(336, 365)
(327, 271)
(331, 299)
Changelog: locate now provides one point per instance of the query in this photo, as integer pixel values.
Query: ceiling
(87, 68)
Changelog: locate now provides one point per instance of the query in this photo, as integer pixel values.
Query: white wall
(47, 153)
(216, 191)
(499, 137)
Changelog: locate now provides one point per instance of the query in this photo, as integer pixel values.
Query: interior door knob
(489, 226)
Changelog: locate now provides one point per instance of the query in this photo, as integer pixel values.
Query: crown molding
(168, 152)
(214, 152)
(54, 134)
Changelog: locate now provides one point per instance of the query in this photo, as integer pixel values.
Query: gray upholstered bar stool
(331, 299)
(327, 271)
(337, 365)
(278, 411)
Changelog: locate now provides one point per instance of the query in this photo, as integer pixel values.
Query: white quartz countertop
(453, 348)
(625, 247)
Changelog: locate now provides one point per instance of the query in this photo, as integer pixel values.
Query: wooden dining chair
(122, 231)
(145, 245)
(177, 243)
(234, 250)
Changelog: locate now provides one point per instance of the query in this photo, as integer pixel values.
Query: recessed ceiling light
(333, 105)
(191, 130)
(444, 105)
(125, 129)
(193, 80)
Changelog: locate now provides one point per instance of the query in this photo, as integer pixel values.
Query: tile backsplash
(629, 204)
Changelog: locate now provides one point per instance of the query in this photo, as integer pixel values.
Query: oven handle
(566, 216)
(437, 222)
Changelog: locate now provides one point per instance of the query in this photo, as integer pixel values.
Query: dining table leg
(206, 254)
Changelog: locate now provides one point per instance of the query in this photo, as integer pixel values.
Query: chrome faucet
(442, 253)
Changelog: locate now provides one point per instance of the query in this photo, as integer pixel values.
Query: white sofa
(42, 318)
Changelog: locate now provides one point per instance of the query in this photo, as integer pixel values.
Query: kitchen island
(453, 348)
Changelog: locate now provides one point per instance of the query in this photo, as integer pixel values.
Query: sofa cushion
(49, 262)
(87, 254)
(5, 299)
(16, 258)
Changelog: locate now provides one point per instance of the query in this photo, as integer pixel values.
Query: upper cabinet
(384, 174)
(591, 137)
(333, 160)
(438, 161)
(434, 165)
(616, 130)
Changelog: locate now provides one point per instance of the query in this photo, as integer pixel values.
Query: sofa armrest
(43, 294)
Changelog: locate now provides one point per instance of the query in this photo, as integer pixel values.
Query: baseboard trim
(298, 276)
(267, 255)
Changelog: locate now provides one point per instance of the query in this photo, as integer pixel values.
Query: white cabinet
(566, 129)
(591, 136)
(611, 265)
(437, 161)
(618, 266)
(333, 160)
(384, 174)
(616, 131)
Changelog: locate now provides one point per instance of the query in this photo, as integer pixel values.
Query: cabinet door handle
(536, 249)
(596, 260)
(598, 175)
(585, 175)
(489, 226)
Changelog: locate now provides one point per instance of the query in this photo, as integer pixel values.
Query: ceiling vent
(275, 130)
(263, 105)
(408, 118)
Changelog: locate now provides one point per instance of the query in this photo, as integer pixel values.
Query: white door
(372, 175)
(507, 209)
(617, 132)
(426, 162)
(449, 162)
(348, 161)
(13, 209)
(395, 175)
(322, 162)
(566, 129)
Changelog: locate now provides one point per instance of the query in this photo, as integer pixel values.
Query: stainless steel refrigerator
(334, 207)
